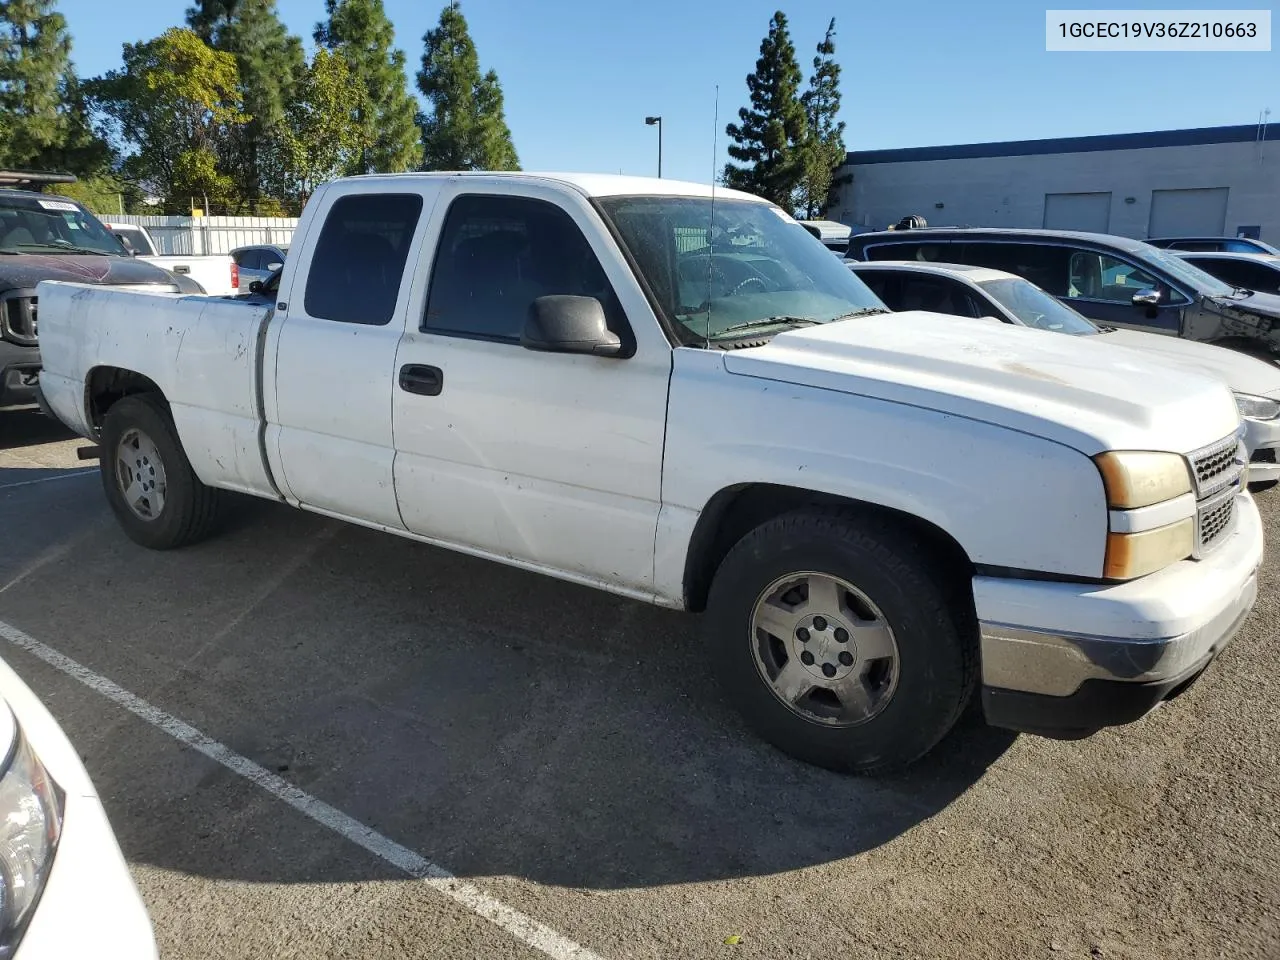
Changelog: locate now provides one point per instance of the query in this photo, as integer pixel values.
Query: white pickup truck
(217, 274)
(682, 397)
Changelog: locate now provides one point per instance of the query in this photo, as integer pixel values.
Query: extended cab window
(499, 254)
(359, 260)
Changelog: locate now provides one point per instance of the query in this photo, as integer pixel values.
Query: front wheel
(841, 641)
(148, 480)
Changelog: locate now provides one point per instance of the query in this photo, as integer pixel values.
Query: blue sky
(580, 75)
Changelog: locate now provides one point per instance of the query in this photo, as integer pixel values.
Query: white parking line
(61, 476)
(522, 927)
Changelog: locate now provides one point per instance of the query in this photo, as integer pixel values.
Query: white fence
(193, 236)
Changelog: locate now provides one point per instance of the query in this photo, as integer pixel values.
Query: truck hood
(1078, 391)
(26, 270)
(1239, 371)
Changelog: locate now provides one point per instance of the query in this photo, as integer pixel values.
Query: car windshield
(39, 224)
(1035, 308)
(1200, 282)
(721, 271)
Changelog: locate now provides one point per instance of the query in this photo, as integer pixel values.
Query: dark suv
(1112, 280)
(44, 237)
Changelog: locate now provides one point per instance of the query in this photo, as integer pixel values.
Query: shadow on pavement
(26, 428)
(495, 721)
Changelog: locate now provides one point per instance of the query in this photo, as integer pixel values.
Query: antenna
(711, 217)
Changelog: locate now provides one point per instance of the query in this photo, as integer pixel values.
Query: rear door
(553, 460)
(334, 361)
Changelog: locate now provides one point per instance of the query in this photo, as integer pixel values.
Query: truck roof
(588, 184)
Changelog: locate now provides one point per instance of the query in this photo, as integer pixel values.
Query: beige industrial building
(1209, 181)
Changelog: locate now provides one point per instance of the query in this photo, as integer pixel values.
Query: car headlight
(1257, 408)
(1139, 478)
(31, 807)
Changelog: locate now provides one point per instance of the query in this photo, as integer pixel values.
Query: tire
(888, 711)
(139, 442)
(1262, 485)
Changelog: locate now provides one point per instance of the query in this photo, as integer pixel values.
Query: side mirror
(274, 266)
(562, 324)
(1147, 298)
(255, 286)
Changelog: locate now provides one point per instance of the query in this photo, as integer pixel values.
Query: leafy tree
(271, 64)
(175, 100)
(824, 152)
(43, 121)
(361, 32)
(323, 136)
(768, 141)
(466, 129)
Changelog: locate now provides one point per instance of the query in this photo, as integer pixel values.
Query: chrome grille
(1213, 518)
(1216, 466)
(1218, 470)
(19, 319)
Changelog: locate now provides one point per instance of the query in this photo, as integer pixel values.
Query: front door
(1103, 287)
(552, 460)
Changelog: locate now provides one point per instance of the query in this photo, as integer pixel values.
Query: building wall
(1009, 191)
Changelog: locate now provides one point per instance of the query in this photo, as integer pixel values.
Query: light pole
(652, 121)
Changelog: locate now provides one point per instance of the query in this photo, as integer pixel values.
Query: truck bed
(212, 272)
(204, 353)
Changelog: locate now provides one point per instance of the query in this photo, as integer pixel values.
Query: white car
(65, 890)
(217, 274)
(968, 291)
(678, 395)
(258, 262)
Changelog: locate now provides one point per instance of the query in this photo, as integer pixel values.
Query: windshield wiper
(771, 322)
(864, 312)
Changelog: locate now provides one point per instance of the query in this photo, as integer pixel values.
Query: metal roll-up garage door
(1090, 212)
(1188, 213)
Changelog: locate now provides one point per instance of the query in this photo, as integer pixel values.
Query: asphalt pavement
(568, 757)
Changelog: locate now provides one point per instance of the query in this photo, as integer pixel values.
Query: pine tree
(35, 74)
(271, 65)
(466, 129)
(824, 152)
(768, 141)
(361, 32)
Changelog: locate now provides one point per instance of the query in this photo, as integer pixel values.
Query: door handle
(422, 379)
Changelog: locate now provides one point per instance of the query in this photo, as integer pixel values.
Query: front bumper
(1066, 659)
(1262, 437)
(19, 367)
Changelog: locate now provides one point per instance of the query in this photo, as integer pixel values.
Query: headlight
(1257, 408)
(30, 822)
(1139, 478)
(1131, 555)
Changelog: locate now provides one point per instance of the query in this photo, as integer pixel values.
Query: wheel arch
(736, 510)
(106, 385)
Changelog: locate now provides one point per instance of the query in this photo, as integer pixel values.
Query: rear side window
(497, 255)
(1238, 273)
(360, 256)
(932, 252)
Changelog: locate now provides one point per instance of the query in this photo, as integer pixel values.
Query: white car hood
(1241, 372)
(1077, 391)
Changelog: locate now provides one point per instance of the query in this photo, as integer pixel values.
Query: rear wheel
(148, 480)
(842, 642)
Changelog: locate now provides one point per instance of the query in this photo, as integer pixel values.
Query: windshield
(747, 270)
(1200, 282)
(1035, 308)
(38, 224)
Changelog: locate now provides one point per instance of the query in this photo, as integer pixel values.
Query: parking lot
(567, 756)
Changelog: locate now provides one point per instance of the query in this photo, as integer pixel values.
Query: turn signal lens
(1139, 478)
(1132, 555)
